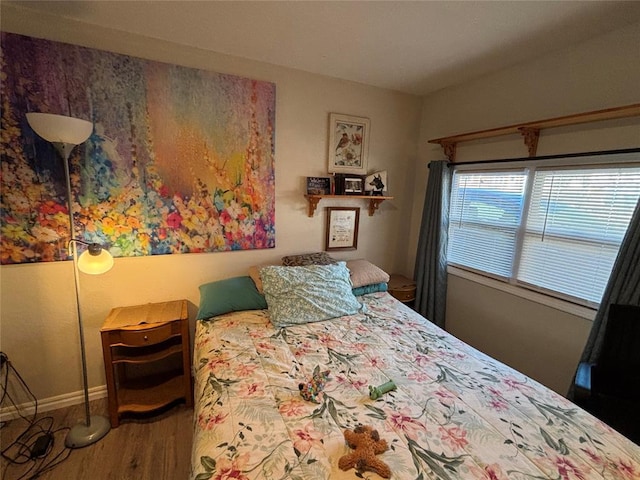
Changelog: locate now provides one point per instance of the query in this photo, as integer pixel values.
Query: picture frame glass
(342, 228)
(318, 185)
(348, 144)
(353, 185)
(376, 183)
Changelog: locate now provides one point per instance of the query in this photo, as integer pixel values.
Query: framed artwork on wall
(181, 160)
(342, 228)
(348, 144)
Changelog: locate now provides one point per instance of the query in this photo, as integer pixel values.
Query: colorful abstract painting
(180, 160)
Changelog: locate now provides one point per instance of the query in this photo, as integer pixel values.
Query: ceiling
(415, 47)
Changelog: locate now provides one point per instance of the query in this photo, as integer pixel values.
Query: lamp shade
(60, 128)
(95, 264)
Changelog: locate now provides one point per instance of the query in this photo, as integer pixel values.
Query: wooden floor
(153, 448)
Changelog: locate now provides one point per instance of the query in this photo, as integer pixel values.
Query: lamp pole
(65, 133)
(95, 426)
(65, 151)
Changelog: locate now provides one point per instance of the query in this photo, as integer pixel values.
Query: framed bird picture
(348, 144)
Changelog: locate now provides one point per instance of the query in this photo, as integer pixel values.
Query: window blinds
(484, 216)
(554, 229)
(576, 221)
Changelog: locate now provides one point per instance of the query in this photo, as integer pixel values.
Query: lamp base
(82, 435)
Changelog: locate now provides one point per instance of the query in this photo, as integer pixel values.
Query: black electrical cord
(29, 455)
(6, 366)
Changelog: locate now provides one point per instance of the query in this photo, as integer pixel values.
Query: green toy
(377, 392)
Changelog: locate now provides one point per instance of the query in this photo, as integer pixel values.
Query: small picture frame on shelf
(353, 185)
(376, 183)
(318, 185)
(338, 183)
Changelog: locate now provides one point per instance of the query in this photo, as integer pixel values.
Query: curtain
(431, 258)
(623, 287)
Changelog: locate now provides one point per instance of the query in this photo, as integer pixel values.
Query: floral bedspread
(456, 413)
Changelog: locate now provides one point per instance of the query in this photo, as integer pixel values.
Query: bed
(455, 414)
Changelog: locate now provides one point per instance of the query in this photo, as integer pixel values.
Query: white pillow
(366, 273)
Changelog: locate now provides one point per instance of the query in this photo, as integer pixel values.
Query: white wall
(39, 332)
(540, 341)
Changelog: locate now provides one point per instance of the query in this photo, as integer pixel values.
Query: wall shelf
(531, 130)
(374, 201)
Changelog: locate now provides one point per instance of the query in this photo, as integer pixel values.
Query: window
(552, 228)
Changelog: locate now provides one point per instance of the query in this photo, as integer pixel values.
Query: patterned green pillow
(306, 294)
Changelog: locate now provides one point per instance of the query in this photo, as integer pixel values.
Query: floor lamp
(65, 133)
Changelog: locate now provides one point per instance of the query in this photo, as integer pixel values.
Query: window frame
(554, 299)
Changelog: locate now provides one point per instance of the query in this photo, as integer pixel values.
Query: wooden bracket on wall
(374, 203)
(313, 203)
(531, 130)
(531, 136)
(449, 150)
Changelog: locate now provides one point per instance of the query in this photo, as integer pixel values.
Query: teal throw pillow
(229, 295)
(373, 288)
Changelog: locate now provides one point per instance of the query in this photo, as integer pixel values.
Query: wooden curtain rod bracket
(531, 130)
(531, 136)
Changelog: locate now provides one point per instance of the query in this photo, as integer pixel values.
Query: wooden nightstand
(402, 288)
(146, 357)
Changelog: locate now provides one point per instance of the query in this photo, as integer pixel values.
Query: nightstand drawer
(402, 288)
(404, 295)
(138, 338)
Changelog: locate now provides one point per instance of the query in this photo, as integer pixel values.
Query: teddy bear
(367, 444)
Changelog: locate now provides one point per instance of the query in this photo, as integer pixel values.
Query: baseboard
(52, 403)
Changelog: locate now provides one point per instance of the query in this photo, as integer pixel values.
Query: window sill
(546, 300)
